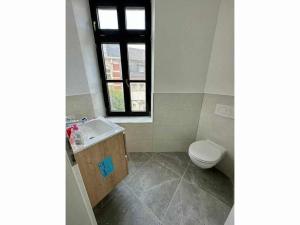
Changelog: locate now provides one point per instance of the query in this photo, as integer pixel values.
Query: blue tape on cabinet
(106, 167)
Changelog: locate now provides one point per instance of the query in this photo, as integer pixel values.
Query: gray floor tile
(159, 197)
(176, 161)
(212, 181)
(149, 175)
(135, 161)
(157, 193)
(193, 206)
(124, 209)
(173, 215)
(155, 185)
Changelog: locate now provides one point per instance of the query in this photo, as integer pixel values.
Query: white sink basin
(94, 131)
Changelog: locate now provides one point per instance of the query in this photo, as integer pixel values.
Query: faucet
(84, 119)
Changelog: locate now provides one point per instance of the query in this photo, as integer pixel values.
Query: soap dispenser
(77, 135)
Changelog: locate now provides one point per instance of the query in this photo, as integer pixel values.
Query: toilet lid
(206, 151)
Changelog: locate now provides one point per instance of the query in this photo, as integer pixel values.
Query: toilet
(205, 153)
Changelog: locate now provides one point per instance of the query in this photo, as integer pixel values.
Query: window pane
(107, 18)
(135, 19)
(136, 57)
(116, 97)
(112, 61)
(138, 97)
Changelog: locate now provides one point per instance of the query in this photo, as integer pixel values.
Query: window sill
(134, 119)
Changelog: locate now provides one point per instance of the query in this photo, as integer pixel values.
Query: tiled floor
(167, 189)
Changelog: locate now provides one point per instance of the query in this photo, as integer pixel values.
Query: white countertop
(95, 131)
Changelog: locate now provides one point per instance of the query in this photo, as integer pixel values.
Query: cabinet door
(97, 184)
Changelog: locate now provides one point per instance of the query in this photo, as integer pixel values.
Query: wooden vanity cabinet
(96, 184)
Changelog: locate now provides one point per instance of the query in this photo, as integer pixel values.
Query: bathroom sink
(95, 131)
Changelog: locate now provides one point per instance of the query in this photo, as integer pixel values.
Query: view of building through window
(136, 58)
(112, 61)
(138, 96)
(113, 70)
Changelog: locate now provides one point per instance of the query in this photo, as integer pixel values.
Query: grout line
(181, 207)
(215, 197)
(168, 155)
(163, 165)
(160, 184)
(146, 207)
(145, 163)
(137, 169)
(181, 178)
(209, 192)
(166, 167)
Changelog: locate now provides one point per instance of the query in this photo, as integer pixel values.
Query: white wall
(220, 76)
(76, 81)
(184, 32)
(86, 37)
(78, 208)
(183, 37)
(83, 76)
(218, 129)
(87, 43)
(219, 88)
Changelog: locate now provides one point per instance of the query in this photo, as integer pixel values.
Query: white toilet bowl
(205, 153)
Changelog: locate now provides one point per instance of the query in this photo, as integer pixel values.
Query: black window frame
(122, 36)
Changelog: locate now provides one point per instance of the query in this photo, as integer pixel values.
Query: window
(135, 19)
(107, 18)
(122, 31)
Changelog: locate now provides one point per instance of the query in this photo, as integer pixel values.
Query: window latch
(94, 25)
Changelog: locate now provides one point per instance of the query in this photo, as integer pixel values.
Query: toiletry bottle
(77, 135)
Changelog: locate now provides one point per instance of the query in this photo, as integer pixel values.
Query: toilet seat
(206, 151)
